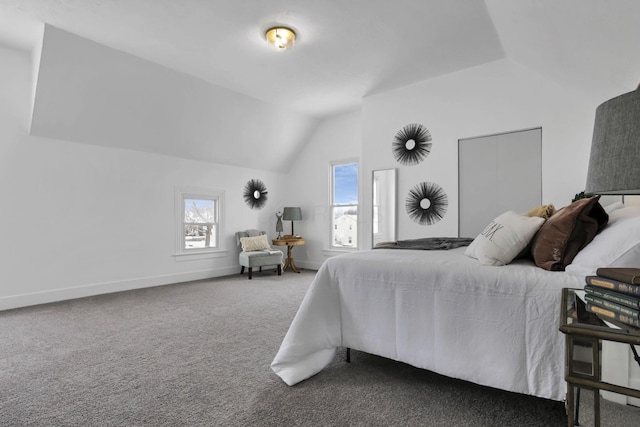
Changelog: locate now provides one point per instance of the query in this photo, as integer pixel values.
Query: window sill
(194, 256)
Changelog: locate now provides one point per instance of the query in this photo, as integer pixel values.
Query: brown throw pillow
(566, 232)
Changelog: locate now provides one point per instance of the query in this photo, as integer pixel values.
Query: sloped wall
(90, 93)
(81, 219)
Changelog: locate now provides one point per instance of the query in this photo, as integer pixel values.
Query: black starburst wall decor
(426, 203)
(411, 144)
(255, 194)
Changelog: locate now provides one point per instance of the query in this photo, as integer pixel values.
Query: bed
(444, 311)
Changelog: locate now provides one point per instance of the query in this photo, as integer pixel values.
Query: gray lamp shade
(292, 214)
(614, 163)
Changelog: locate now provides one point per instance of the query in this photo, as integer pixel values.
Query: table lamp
(614, 163)
(292, 214)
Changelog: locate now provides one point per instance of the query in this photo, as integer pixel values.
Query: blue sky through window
(345, 180)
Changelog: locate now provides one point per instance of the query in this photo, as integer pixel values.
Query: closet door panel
(498, 173)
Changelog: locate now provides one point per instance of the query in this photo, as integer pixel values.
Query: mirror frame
(392, 228)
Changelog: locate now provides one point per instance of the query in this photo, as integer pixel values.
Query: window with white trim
(199, 222)
(344, 205)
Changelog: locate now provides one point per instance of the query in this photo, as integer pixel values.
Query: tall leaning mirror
(384, 205)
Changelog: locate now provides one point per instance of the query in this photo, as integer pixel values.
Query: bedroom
(552, 66)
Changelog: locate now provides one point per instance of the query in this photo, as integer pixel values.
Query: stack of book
(614, 293)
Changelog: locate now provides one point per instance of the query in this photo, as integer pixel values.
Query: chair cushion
(260, 258)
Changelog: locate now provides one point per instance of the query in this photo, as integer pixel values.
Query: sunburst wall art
(426, 203)
(255, 194)
(411, 144)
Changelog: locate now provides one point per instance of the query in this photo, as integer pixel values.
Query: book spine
(618, 308)
(593, 308)
(613, 296)
(626, 275)
(614, 285)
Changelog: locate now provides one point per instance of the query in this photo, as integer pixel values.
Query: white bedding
(437, 310)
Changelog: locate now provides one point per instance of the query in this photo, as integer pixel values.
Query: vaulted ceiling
(348, 49)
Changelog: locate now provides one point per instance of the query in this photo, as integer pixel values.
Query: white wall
(337, 138)
(493, 98)
(70, 209)
(80, 219)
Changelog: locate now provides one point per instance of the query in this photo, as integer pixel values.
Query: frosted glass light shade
(281, 38)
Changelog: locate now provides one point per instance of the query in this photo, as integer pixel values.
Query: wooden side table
(289, 243)
(580, 326)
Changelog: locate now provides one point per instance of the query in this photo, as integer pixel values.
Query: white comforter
(437, 310)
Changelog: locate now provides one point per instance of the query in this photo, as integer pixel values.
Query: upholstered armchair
(256, 252)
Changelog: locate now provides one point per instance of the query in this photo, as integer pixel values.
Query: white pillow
(624, 212)
(617, 245)
(613, 207)
(504, 238)
(256, 243)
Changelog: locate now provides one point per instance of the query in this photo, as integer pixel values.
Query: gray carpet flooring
(198, 354)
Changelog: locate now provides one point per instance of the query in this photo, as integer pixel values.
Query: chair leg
(242, 269)
(260, 269)
(250, 271)
(279, 269)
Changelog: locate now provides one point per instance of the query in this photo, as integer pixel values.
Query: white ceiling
(348, 49)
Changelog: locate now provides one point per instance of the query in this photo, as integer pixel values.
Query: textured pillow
(255, 243)
(504, 238)
(567, 232)
(617, 245)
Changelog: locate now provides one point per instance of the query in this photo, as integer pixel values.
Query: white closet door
(497, 173)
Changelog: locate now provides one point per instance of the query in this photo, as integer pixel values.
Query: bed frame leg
(348, 355)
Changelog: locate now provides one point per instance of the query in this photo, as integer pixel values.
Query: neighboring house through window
(344, 204)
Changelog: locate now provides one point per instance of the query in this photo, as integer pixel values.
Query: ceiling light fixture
(281, 38)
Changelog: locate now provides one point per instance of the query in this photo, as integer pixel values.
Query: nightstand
(289, 243)
(584, 328)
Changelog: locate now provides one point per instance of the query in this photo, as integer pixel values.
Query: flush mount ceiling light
(281, 38)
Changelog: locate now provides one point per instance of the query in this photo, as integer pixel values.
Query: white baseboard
(62, 294)
(309, 265)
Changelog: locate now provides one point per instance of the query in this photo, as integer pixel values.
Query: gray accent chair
(257, 258)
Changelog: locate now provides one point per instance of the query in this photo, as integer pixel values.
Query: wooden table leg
(289, 261)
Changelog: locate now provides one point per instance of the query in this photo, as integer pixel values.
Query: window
(344, 205)
(199, 223)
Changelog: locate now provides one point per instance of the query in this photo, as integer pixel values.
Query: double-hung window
(199, 222)
(344, 205)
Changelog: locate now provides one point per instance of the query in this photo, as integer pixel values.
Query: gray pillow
(253, 233)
